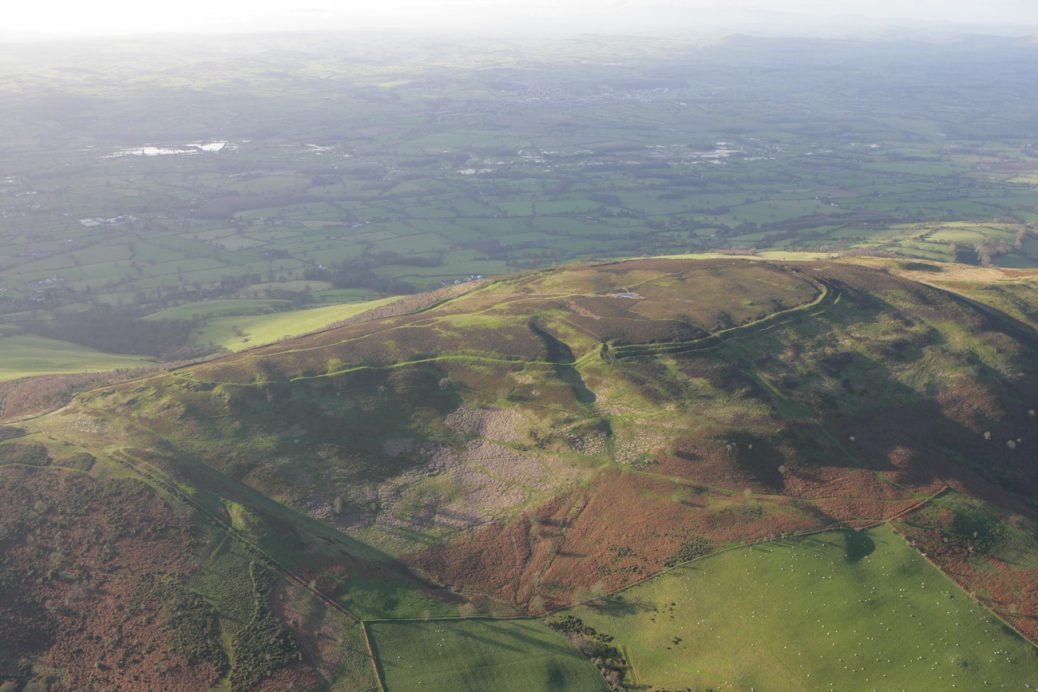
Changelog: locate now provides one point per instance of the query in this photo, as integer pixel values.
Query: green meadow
(838, 610)
(24, 355)
(238, 332)
(499, 655)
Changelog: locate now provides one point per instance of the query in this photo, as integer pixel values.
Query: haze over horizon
(52, 19)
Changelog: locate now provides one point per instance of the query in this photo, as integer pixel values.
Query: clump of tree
(966, 254)
(360, 272)
(123, 330)
(597, 646)
(691, 549)
(974, 530)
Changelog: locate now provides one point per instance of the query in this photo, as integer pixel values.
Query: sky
(83, 18)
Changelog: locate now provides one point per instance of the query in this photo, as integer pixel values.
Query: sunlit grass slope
(238, 332)
(840, 610)
(505, 656)
(25, 355)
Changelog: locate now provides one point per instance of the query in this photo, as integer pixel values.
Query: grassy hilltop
(548, 439)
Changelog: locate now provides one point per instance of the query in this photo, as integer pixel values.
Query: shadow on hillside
(295, 540)
(503, 634)
(943, 428)
(879, 418)
(858, 545)
(619, 605)
(562, 359)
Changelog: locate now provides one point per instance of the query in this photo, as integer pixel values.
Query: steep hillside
(551, 437)
(107, 584)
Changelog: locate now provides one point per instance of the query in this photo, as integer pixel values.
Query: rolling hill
(529, 444)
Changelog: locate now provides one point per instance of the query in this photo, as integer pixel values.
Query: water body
(187, 149)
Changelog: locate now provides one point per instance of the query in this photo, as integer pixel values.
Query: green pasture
(27, 356)
(839, 610)
(238, 332)
(476, 655)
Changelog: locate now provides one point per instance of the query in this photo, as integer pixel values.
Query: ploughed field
(516, 446)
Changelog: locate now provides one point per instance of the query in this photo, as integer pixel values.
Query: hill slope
(550, 437)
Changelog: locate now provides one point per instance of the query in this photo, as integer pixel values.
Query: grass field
(238, 332)
(217, 308)
(494, 185)
(503, 655)
(839, 610)
(26, 355)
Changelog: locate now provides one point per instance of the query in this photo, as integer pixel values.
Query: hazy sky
(104, 17)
